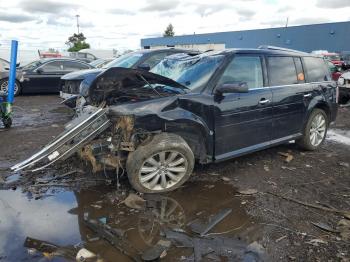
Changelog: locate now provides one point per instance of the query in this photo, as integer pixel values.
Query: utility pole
(287, 21)
(77, 16)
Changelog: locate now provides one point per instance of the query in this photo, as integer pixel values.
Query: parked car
(99, 63)
(4, 77)
(335, 59)
(335, 71)
(44, 75)
(205, 108)
(145, 59)
(82, 56)
(344, 87)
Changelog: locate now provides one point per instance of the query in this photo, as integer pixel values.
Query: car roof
(160, 50)
(45, 60)
(264, 50)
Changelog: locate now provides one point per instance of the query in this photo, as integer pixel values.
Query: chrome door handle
(264, 101)
(308, 95)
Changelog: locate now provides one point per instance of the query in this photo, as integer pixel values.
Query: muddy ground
(273, 204)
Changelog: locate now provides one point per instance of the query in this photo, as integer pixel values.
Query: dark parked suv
(206, 108)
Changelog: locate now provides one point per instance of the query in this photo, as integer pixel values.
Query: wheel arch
(195, 134)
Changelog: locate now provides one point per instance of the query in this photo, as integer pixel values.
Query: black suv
(210, 107)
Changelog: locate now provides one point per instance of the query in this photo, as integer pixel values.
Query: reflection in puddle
(61, 219)
(339, 136)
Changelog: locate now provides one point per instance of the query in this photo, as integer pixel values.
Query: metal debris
(203, 229)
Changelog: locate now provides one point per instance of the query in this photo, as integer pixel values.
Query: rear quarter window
(316, 69)
(281, 71)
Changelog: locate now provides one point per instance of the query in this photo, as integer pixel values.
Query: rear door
(243, 121)
(287, 82)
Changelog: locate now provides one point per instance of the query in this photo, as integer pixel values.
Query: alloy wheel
(163, 170)
(4, 87)
(317, 130)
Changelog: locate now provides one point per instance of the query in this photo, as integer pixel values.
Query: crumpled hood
(82, 74)
(133, 81)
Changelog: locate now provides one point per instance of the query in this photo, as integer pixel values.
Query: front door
(46, 79)
(243, 121)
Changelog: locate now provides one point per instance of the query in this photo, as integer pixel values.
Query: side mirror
(39, 70)
(145, 67)
(17, 65)
(237, 87)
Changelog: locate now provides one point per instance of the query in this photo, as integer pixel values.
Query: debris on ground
(203, 228)
(157, 252)
(288, 157)
(324, 227)
(343, 228)
(344, 164)
(266, 168)
(134, 201)
(226, 179)
(50, 250)
(224, 247)
(316, 242)
(250, 191)
(345, 213)
(85, 255)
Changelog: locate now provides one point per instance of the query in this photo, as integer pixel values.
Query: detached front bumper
(79, 132)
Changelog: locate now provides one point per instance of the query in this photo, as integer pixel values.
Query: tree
(77, 42)
(169, 31)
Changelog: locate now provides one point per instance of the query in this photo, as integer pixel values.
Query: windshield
(32, 65)
(192, 72)
(126, 61)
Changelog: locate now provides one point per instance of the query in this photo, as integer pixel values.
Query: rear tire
(161, 165)
(315, 130)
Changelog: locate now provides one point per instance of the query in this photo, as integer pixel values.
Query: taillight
(337, 95)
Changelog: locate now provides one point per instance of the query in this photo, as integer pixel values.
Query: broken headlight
(85, 85)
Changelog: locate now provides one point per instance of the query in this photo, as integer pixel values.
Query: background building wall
(334, 37)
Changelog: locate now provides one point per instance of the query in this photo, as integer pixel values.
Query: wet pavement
(59, 218)
(55, 207)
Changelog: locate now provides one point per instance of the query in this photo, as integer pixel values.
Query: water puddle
(339, 136)
(62, 218)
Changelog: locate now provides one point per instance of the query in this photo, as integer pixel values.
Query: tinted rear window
(282, 71)
(316, 69)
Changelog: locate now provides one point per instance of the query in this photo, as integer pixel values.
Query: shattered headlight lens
(85, 85)
(84, 88)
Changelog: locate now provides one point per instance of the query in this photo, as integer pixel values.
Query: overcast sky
(121, 24)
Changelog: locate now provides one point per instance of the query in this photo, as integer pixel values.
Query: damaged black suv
(206, 108)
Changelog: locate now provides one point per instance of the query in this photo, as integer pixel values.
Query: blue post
(12, 76)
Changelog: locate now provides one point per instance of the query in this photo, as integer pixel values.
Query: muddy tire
(315, 130)
(7, 122)
(161, 165)
(4, 86)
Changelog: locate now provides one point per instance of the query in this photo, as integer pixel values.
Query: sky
(108, 24)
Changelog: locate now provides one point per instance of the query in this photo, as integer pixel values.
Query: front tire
(161, 165)
(4, 84)
(315, 130)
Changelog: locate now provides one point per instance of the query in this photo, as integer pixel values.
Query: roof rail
(271, 47)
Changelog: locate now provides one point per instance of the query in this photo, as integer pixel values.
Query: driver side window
(53, 66)
(244, 69)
